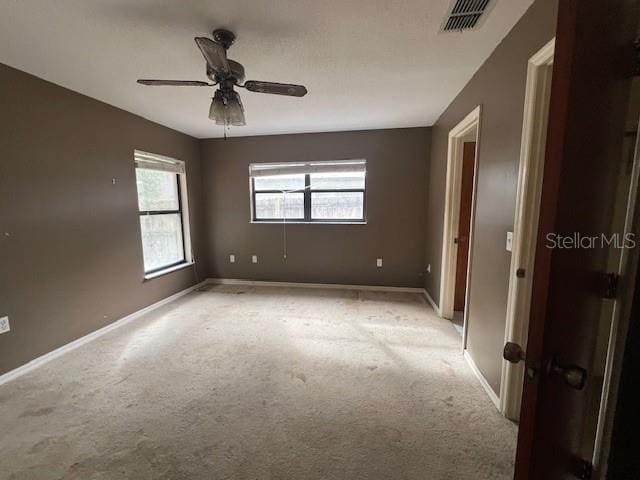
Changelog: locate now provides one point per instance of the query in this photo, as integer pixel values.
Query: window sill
(294, 222)
(159, 273)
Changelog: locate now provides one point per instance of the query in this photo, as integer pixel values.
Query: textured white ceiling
(367, 63)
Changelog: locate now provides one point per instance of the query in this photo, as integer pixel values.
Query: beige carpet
(260, 383)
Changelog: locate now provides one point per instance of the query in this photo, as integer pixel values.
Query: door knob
(513, 353)
(572, 375)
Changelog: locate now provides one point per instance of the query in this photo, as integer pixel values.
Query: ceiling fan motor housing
(224, 37)
(237, 72)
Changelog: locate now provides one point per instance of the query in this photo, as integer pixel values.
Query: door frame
(457, 137)
(525, 226)
(621, 316)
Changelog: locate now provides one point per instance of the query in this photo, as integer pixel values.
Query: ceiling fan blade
(215, 55)
(175, 83)
(276, 88)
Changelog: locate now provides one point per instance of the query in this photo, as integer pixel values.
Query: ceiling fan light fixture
(217, 109)
(234, 110)
(226, 109)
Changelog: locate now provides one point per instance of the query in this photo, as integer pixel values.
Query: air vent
(465, 15)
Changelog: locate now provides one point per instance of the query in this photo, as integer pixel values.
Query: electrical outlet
(232, 258)
(4, 325)
(254, 258)
(378, 262)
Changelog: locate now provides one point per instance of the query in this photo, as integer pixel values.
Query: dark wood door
(592, 74)
(464, 224)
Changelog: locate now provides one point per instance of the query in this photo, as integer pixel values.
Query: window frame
(182, 212)
(307, 191)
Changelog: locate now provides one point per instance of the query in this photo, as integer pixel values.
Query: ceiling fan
(226, 106)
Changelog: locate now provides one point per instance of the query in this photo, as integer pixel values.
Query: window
(161, 187)
(328, 192)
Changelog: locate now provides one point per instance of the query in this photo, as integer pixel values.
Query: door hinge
(609, 284)
(586, 470)
(636, 69)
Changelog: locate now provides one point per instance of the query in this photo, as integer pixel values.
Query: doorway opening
(464, 229)
(458, 219)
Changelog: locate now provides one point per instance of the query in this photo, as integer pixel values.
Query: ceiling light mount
(224, 37)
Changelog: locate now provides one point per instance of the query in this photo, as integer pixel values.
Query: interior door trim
(525, 225)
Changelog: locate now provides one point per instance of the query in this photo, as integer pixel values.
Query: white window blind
(329, 191)
(293, 168)
(151, 161)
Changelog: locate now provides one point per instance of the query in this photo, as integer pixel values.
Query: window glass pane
(337, 181)
(161, 240)
(337, 205)
(157, 190)
(279, 182)
(272, 205)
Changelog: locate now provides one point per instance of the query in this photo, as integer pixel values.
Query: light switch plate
(254, 258)
(509, 241)
(4, 325)
(378, 262)
(232, 258)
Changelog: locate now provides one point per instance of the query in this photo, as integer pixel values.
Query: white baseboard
(265, 283)
(483, 381)
(433, 304)
(47, 357)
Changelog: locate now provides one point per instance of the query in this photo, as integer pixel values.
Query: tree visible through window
(161, 216)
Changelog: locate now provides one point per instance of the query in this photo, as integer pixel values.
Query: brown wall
(70, 251)
(59, 151)
(397, 163)
(499, 87)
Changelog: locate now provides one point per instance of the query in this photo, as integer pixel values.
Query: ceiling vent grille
(465, 15)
